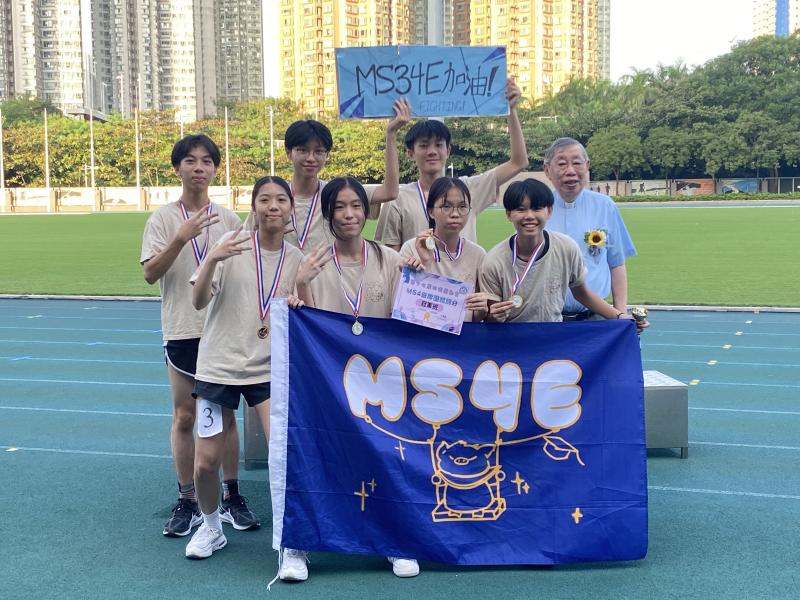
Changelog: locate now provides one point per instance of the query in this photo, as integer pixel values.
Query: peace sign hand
(231, 246)
(312, 264)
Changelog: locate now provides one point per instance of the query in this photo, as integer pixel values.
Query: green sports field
(742, 256)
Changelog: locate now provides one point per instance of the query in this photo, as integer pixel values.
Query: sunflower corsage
(595, 240)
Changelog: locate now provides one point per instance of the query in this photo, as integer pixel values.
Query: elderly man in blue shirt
(593, 221)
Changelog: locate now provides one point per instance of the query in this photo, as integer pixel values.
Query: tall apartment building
(455, 22)
(186, 55)
(547, 41)
(775, 17)
(604, 39)
(311, 29)
(41, 51)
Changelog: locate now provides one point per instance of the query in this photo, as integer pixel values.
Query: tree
(616, 149)
(668, 148)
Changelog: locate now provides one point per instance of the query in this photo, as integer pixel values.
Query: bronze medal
(263, 332)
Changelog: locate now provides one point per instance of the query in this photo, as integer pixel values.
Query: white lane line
(86, 412)
(739, 383)
(668, 488)
(702, 332)
(723, 363)
(757, 446)
(82, 318)
(81, 382)
(91, 452)
(86, 360)
(91, 412)
(51, 342)
(747, 410)
(84, 329)
(648, 344)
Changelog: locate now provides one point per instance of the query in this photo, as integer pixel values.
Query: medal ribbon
(301, 237)
(354, 303)
(263, 302)
(517, 279)
(437, 255)
(423, 200)
(199, 255)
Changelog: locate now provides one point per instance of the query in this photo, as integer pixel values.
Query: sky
(644, 33)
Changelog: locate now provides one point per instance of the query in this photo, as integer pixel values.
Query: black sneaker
(184, 516)
(234, 510)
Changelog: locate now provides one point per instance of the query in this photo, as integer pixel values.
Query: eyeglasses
(461, 209)
(318, 153)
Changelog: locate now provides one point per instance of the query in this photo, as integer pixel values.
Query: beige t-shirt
(230, 350)
(465, 268)
(403, 219)
(543, 290)
(179, 319)
(380, 284)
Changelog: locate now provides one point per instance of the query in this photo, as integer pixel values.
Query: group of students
(303, 241)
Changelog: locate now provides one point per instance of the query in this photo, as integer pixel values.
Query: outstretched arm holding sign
(518, 159)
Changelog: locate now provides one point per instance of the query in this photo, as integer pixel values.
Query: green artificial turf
(703, 256)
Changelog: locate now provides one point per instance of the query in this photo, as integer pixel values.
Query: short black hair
(424, 130)
(303, 131)
(537, 193)
(271, 179)
(185, 145)
(439, 189)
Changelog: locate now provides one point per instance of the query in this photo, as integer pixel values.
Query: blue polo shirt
(588, 212)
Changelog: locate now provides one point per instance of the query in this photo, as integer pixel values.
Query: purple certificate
(431, 300)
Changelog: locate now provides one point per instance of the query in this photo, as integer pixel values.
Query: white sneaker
(404, 567)
(205, 541)
(293, 565)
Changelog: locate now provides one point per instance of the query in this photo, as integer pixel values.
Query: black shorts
(181, 355)
(229, 395)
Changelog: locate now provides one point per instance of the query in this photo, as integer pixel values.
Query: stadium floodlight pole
(436, 34)
(90, 69)
(271, 143)
(227, 157)
(46, 153)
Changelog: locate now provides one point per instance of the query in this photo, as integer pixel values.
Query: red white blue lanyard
(302, 237)
(263, 301)
(437, 255)
(423, 200)
(199, 255)
(517, 279)
(354, 303)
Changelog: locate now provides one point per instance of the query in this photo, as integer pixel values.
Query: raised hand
(402, 116)
(513, 93)
(231, 246)
(312, 264)
(194, 225)
(425, 255)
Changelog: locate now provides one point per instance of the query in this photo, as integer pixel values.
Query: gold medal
(357, 328)
(263, 332)
(430, 243)
(639, 313)
(516, 300)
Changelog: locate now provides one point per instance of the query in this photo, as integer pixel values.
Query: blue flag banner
(456, 81)
(515, 444)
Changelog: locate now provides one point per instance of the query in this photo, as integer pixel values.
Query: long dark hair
(440, 188)
(328, 198)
